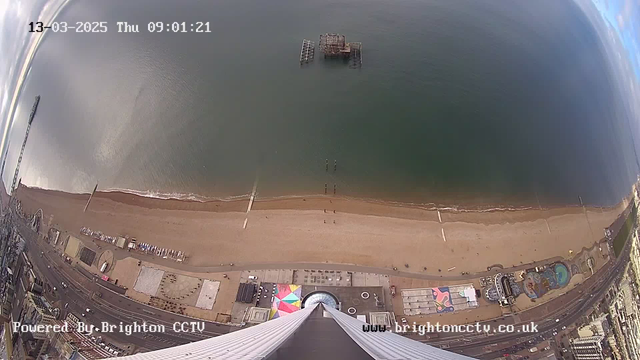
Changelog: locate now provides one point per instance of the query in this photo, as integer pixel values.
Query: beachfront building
(635, 190)
(589, 348)
(598, 326)
(35, 311)
(502, 288)
(318, 332)
(438, 300)
(73, 344)
(505, 293)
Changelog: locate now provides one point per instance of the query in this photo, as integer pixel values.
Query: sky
(624, 17)
(620, 19)
(17, 46)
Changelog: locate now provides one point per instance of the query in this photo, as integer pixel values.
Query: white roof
(470, 294)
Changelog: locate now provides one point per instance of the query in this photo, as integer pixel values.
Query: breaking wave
(174, 195)
(423, 206)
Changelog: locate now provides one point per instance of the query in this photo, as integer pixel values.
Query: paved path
(120, 254)
(567, 308)
(569, 304)
(111, 307)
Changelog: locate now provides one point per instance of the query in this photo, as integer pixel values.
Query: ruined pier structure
(336, 45)
(307, 51)
(333, 46)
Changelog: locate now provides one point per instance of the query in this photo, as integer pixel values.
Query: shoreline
(345, 204)
(443, 206)
(470, 206)
(306, 230)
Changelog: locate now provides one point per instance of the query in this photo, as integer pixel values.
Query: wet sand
(299, 230)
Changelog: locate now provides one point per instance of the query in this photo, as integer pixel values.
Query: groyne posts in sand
(326, 169)
(251, 199)
(586, 216)
(90, 197)
(326, 184)
(326, 165)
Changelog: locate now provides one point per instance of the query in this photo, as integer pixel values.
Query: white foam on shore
(247, 196)
(422, 206)
(153, 194)
(174, 195)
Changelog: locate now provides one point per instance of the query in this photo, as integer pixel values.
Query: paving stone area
(149, 280)
(180, 288)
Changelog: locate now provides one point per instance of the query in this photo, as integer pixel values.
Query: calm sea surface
(458, 102)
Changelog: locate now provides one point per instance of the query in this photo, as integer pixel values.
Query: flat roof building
(315, 332)
(36, 310)
(588, 348)
(598, 326)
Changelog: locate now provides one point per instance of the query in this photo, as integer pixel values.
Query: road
(111, 307)
(120, 254)
(115, 308)
(568, 308)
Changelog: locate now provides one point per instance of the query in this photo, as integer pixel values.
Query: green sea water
(456, 102)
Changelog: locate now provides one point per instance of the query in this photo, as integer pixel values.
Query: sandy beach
(303, 230)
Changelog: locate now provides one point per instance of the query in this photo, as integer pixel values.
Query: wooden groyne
(90, 197)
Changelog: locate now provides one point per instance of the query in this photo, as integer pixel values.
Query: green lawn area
(619, 241)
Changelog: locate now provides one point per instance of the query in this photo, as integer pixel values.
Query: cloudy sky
(17, 44)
